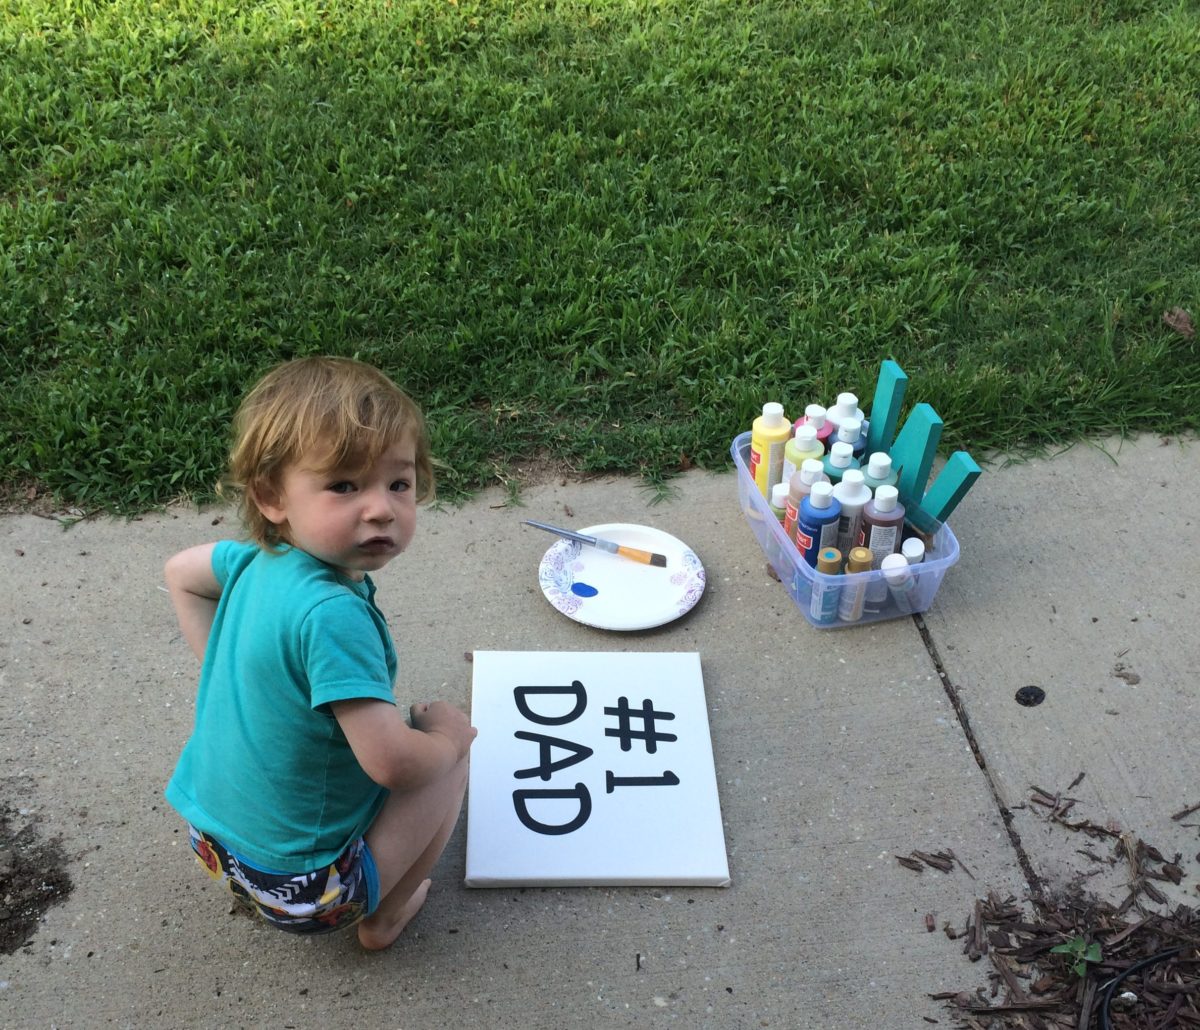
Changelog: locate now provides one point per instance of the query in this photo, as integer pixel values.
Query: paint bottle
(852, 494)
(838, 460)
(850, 604)
(879, 471)
(901, 583)
(768, 437)
(814, 415)
(778, 506)
(846, 407)
(913, 550)
(799, 449)
(817, 526)
(850, 431)
(778, 502)
(799, 487)
(823, 606)
(883, 524)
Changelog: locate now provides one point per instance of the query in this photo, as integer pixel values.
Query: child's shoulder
(287, 572)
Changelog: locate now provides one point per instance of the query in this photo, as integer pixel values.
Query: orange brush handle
(635, 554)
(645, 557)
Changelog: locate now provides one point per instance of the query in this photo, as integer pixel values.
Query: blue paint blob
(584, 590)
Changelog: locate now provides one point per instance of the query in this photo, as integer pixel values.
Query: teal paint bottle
(879, 471)
(838, 460)
(901, 583)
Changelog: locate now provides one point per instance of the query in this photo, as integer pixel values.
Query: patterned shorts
(327, 899)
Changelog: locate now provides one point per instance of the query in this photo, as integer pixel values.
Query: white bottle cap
(886, 498)
(880, 465)
(815, 414)
(812, 470)
(841, 454)
(850, 430)
(913, 550)
(846, 407)
(895, 568)
(821, 496)
(806, 437)
(852, 492)
(773, 414)
(779, 495)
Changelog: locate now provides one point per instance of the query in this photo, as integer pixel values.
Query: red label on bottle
(755, 461)
(791, 514)
(803, 540)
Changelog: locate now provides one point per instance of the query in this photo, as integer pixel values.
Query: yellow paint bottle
(768, 438)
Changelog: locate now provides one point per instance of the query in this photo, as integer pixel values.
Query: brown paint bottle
(883, 524)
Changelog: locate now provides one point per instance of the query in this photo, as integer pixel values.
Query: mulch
(1148, 974)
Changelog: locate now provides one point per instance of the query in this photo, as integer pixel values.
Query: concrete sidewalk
(836, 751)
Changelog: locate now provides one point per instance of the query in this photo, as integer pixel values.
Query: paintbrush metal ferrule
(632, 553)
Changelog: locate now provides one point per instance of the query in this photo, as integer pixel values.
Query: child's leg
(406, 840)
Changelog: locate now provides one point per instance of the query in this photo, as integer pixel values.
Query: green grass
(600, 231)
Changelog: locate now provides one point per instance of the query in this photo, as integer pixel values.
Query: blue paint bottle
(850, 431)
(817, 526)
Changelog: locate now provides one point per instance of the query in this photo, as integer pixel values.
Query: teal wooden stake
(913, 452)
(885, 408)
(951, 486)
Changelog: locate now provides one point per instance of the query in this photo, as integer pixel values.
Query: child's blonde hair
(337, 412)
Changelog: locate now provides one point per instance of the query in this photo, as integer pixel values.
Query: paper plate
(607, 591)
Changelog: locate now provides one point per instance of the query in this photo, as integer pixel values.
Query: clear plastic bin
(801, 580)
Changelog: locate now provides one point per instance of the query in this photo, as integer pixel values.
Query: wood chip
(937, 861)
(1186, 812)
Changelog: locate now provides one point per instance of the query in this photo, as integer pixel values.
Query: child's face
(355, 519)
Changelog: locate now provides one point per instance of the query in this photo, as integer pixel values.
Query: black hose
(1110, 989)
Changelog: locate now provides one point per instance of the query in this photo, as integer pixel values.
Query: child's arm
(396, 755)
(194, 591)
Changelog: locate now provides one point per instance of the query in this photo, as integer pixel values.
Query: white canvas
(565, 793)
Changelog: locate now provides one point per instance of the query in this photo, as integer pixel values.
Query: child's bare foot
(374, 937)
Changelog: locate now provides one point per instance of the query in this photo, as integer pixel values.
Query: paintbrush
(633, 553)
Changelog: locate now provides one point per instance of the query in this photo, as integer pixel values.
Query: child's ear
(267, 499)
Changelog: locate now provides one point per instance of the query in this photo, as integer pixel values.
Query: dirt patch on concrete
(33, 873)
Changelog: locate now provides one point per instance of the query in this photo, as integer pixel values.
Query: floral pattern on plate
(599, 589)
(556, 576)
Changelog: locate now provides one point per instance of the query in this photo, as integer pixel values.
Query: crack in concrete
(1034, 882)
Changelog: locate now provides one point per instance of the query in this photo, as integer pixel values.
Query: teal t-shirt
(267, 770)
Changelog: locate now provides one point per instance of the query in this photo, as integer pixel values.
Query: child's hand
(442, 717)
